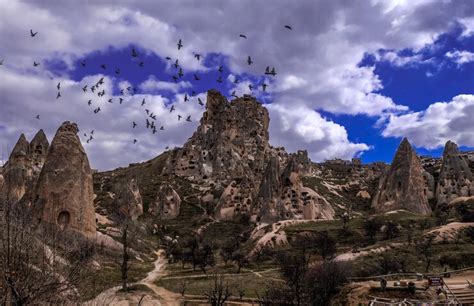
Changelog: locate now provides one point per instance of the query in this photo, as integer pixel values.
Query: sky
(353, 77)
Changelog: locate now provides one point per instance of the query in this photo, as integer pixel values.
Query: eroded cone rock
(39, 146)
(455, 179)
(167, 203)
(403, 187)
(64, 193)
(128, 199)
(18, 172)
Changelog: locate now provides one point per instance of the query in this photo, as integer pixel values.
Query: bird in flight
(134, 52)
(33, 34)
(219, 79)
(172, 108)
(97, 110)
(264, 86)
(180, 45)
(120, 100)
(58, 86)
(176, 64)
(288, 27)
(186, 99)
(117, 71)
(83, 63)
(38, 117)
(243, 36)
(179, 117)
(175, 78)
(220, 69)
(249, 60)
(89, 102)
(197, 56)
(188, 119)
(180, 73)
(58, 95)
(141, 64)
(234, 95)
(135, 141)
(200, 102)
(196, 77)
(250, 87)
(134, 125)
(35, 64)
(84, 89)
(236, 81)
(110, 100)
(143, 102)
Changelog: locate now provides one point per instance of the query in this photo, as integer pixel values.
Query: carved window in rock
(64, 219)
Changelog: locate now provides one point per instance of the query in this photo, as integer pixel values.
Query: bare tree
(219, 293)
(425, 248)
(39, 265)
(128, 233)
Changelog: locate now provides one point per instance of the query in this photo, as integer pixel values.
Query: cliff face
(455, 178)
(64, 193)
(403, 186)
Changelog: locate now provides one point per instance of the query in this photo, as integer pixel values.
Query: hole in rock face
(63, 219)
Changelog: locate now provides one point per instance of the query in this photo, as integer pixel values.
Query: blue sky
(353, 78)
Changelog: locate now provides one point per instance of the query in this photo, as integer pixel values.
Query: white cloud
(440, 122)
(152, 85)
(460, 57)
(468, 24)
(291, 127)
(112, 146)
(317, 62)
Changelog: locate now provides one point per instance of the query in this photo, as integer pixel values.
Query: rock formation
(167, 203)
(64, 193)
(403, 187)
(455, 179)
(128, 200)
(230, 151)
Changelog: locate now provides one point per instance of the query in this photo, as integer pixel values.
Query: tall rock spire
(403, 186)
(64, 193)
(18, 173)
(455, 179)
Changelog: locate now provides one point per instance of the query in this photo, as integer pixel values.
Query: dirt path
(163, 297)
(351, 255)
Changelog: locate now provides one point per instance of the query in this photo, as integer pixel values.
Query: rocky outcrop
(455, 179)
(167, 203)
(128, 200)
(230, 142)
(403, 186)
(64, 193)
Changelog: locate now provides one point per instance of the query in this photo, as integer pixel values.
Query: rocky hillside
(228, 170)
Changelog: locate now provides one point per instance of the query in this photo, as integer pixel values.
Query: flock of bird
(150, 121)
